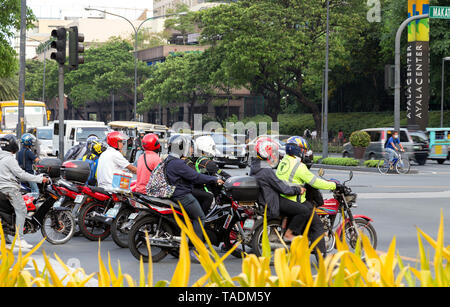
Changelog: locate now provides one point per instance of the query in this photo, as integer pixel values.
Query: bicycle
(401, 166)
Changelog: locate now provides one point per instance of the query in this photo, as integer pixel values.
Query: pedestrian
(341, 137)
(138, 146)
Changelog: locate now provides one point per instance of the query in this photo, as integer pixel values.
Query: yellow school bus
(36, 115)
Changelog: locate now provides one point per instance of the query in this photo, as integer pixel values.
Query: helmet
(150, 142)
(28, 139)
(91, 139)
(9, 143)
(296, 146)
(113, 138)
(206, 145)
(266, 149)
(179, 145)
(97, 147)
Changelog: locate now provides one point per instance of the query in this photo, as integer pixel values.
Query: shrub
(340, 161)
(360, 139)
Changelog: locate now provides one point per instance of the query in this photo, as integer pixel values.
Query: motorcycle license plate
(112, 212)
(132, 216)
(79, 199)
(249, 224)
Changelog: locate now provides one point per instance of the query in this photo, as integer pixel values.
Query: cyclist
(10, 173)
(112, 160)
(271, 187)
(392, 146)
(293, 170)
(26, 157)
(148, 161)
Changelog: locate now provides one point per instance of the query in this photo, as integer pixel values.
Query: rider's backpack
(158, 185)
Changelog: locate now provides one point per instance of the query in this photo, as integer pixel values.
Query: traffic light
(59, 44)
(75, 48)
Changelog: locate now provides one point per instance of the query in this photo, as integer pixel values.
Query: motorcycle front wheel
(137, 238)
(58, 226)
(363, 226)
(119, 228)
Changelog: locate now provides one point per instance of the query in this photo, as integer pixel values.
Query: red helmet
(150, 142)
(267, 149)
(113, 138)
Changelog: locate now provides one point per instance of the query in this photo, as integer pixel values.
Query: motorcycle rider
(10, 173)
(293, 170)
(203, 163)
(26, 157)
(271, 187)
(96, 148)
(112, 160)
(78, 151)
(148, 161)
(184, 177)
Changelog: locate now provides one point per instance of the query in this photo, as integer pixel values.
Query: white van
(77, 131)
(45, 139)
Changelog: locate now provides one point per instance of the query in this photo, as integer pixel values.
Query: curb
(356, 168)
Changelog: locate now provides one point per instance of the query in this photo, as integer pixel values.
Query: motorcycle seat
(157, 201)
(99, 190)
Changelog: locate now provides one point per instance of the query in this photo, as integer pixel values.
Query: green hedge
(295, 124)
(340, 161)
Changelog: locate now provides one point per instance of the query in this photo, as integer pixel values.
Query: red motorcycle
(335, 214)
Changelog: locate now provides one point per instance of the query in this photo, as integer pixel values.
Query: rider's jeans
(392, 154)
(194, 211)
(20, 208)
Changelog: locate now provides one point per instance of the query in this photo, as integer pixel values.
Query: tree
(184, 24)
(9, 88)
(9, 24)
(277, 47)
(108, 68)
(181, 78)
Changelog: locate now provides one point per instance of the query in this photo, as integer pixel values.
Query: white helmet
(206, 145)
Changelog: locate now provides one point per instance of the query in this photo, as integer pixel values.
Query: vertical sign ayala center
(417, 67)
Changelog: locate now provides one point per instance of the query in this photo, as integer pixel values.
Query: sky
(75, 8)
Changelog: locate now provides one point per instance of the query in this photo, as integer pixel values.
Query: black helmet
(180, 144)
(9, 143)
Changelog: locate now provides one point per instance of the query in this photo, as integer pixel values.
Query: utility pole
(21, 105)
(325, 107)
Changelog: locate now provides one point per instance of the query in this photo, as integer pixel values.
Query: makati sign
(441, 12)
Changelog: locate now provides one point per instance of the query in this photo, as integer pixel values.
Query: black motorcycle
(230, 220)
(56, 223)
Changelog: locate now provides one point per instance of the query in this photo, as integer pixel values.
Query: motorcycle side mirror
(321, 172)
(350, 175)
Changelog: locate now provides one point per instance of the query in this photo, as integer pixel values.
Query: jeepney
(439, 144)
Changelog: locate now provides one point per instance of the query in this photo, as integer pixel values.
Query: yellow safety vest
(292, 170)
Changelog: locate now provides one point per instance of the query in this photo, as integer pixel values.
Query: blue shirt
(392, 140)
(26, 157)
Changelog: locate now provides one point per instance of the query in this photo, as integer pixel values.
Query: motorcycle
(337, 218)
(230, 220)
(104, 213)
(56, 223)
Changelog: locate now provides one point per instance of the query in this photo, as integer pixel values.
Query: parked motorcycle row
(68, 206)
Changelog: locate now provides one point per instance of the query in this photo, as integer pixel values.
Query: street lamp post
(442, 90)
(325, 102)
(136, 31)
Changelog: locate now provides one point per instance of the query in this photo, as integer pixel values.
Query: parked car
(421, 146)
(378, 138)
(231, 153)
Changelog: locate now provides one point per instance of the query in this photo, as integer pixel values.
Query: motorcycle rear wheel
(58, 227)
(137, 242)
(90, 228)
(273, 227)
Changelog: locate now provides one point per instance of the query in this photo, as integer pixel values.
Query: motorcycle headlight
(350, 198)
